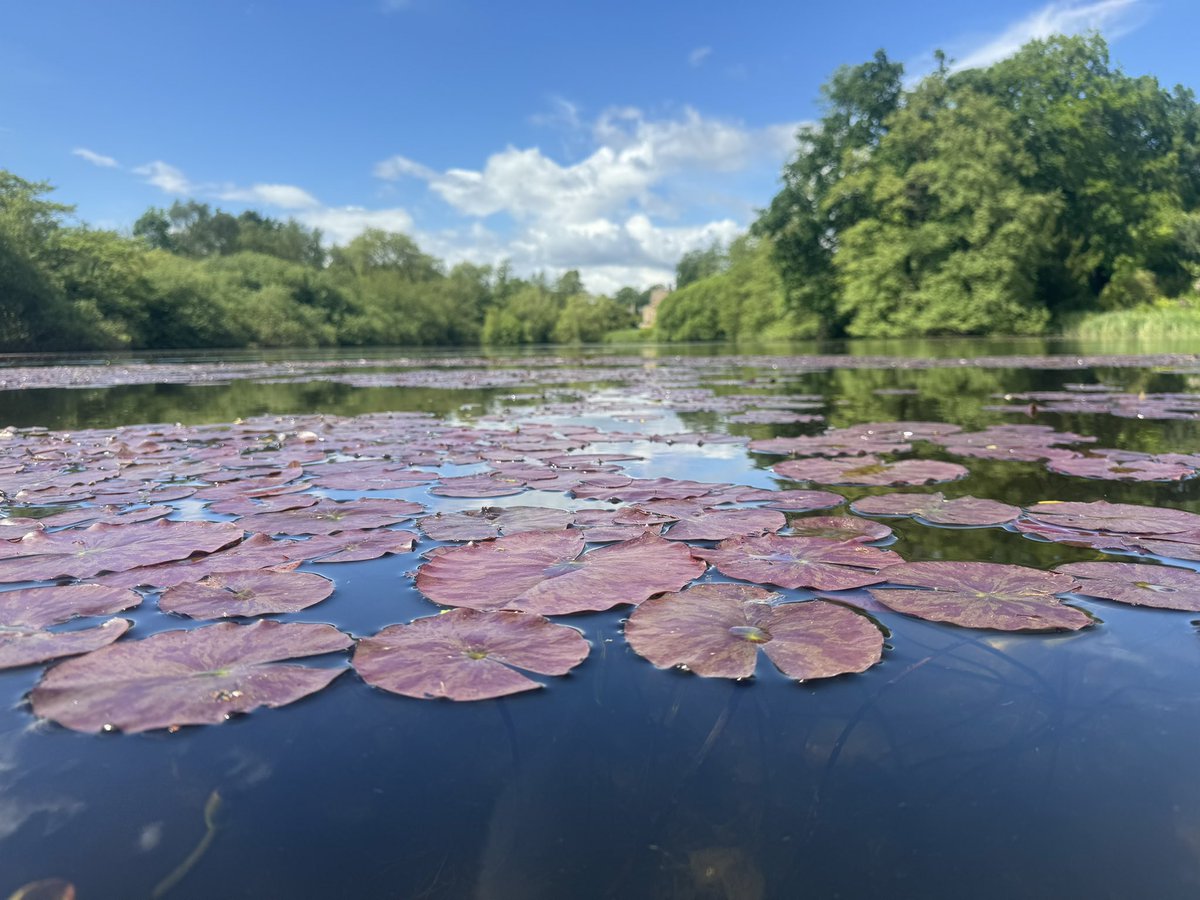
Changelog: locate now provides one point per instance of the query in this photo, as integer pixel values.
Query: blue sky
(605, 136)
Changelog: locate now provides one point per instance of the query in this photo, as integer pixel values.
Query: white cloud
(598, 214)
(1114, 17)
(165, 178)
(633, 157)
(96, 159)
(697, 57)
(341, 224)
(396, 167)
(284, 196)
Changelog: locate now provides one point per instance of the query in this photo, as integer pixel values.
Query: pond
(965, 762)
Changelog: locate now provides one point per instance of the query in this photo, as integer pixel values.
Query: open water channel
(967, 762)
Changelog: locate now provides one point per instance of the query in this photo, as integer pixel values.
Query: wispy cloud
(284, 196)
(165, 177)
(96, 159)
(697, 57)
(1112, 17)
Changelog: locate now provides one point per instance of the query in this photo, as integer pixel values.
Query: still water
(966, 764)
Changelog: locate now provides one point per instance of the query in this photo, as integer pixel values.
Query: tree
(803, 221)
(700, 263)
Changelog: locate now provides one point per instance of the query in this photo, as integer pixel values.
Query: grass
(1161, 320)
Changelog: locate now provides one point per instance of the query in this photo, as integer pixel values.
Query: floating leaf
(492, 522)
(1121, 518)
(250, 592)
(547, 572)
(1138, 584)
(44, 606)
(196, 677)
(109, 548)
(694, 522)
(20, 646)
(983, 595)
(801, 562)
(478, 486)
(839, 528)
(355, 546)
(937, 509)
(468, 654)
(869, 470)
(716, 630)
(330, 516)
(1122, 465)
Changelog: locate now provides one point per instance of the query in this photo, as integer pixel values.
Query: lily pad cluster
(229, 521)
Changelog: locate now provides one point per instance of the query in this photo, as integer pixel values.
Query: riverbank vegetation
(1022, 198)
(999, 200)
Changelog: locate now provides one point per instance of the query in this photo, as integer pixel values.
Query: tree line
(995, 200)
(193, 277)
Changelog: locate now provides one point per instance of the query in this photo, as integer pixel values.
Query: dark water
(967, 764)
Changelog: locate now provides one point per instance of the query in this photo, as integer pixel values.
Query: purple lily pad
(468, 654)
(492, 522)
(869, 470)
(330, 516)
(44, 606)
(256, 552)
(839, 528)
(694, 522)
(937, 509)
(639, 490)
(356, 546)
(602, 526)
(250, 592)
(547, 572)
(1121, 518)
(109, 548)
(367, 476)
(246, 506)
(24, 646)
(1138, 584)
(832, 444)
(478, 486)
(13, 528)
(196, 677)
(1122, 465)
(716, 630)
(802, 562)
(995, 596)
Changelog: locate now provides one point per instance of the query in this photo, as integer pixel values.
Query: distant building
(650, 310)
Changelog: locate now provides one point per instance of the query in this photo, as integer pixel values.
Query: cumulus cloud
(697, 57)
(284, 196)
(1113, 17)
(633, 156)
(598, 214)
(96, 159)
(341, 224)
(165, 177)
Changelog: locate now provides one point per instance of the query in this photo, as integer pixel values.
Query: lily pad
(330, 516)
(24, 646)
(839, 528)
(196, 677)
(492, 522)
(694, 522)
(869, 470)
(547, 572)
(995, 596)
(355, 546)
(41, 607)
(478, 486)
(1138, 584)
(109, 548)
(1121, 518)
(468, 654)
(250, 592)
(716, 630)
(937, 509)
(801, 562)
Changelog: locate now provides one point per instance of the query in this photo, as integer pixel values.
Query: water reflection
(965, 765)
